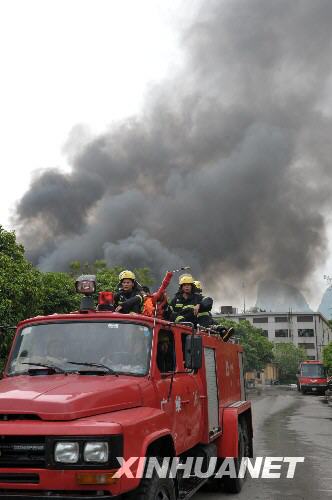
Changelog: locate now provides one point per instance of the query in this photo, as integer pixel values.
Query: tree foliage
(20, 293)
(288, 358)
(327, 357)
(257, 348)
(59, 294)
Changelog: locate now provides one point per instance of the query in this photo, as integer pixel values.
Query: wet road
(289, 424)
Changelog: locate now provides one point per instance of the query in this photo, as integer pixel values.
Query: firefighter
(186, 302)
(129, 299)
(204, 316)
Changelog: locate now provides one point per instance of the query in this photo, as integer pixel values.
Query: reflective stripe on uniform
(203, 314)
(189, 306)
(178, 318)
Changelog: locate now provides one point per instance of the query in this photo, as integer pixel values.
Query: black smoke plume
(227, 168)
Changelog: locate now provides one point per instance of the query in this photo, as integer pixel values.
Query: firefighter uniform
(204, 316)
(183, 308)
(183, 305)
(131, 301)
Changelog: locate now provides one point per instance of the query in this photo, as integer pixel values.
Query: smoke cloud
(227, 167)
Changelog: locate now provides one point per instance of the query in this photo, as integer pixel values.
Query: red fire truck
(312, 377)
(86, 392)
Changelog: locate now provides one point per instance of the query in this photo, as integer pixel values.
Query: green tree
(327, 357)
(288, 358)
(20, 287)
(59, 294)
(257, 348)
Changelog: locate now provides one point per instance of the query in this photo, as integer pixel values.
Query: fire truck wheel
(153, 489)
(234, 485)
(227, 484)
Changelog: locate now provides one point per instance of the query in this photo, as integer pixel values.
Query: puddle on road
(292, 432)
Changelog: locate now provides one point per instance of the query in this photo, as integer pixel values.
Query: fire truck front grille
(22, 451)
(19, 478)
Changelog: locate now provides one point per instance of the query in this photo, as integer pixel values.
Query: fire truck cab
(82, 390)
(312, 377)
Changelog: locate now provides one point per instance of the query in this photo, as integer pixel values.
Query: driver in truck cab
(129, 299)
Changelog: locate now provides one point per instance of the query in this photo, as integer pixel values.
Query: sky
(74, 63)
(71, 69)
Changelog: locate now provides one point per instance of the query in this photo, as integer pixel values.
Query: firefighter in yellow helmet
(186, 302)
(128, 299)
(204, 316)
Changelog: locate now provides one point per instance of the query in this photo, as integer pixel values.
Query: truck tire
(234, 485)
(153, 489)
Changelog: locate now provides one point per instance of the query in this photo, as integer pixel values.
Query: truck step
(188, 487)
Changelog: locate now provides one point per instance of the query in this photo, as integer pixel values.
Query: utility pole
(244, 296)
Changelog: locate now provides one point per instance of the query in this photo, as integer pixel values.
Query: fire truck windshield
(313, 370)
(122, 347)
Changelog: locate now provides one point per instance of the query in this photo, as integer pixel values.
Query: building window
(305, 319)
(281, 333)
(306, 345)
(281, 319)
(305, 332)
(260, 319)
(265, 333)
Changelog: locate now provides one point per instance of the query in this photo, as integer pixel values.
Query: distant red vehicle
(312, 377)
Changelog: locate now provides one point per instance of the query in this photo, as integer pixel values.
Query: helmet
(186, 279)
(129, 275)
(198, 285)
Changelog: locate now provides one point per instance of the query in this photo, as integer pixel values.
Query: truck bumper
(42, 495)
(314, 388)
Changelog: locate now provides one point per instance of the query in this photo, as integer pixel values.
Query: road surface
(289, 424)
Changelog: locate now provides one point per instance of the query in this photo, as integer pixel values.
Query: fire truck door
(192, 408)
(172, 396)
(212, 390)
(171, 387)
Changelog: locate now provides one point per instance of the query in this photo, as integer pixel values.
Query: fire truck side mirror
(193, 352)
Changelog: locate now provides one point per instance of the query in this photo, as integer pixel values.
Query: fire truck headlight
(96, 452)
(66, 452)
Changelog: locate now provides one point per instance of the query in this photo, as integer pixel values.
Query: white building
(310, 331)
